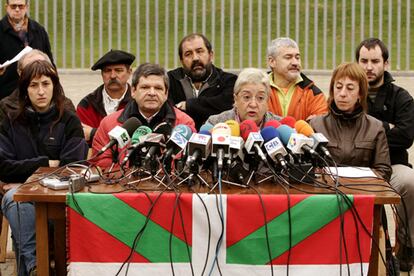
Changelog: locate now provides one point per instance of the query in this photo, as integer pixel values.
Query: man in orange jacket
(293, 94)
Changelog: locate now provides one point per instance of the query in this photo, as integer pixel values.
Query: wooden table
(50, 205)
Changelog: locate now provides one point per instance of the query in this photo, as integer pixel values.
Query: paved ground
(78, 83)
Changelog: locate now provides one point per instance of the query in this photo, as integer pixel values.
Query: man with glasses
(17, 31)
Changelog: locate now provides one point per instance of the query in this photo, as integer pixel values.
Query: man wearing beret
(112, 95)
(198, 87)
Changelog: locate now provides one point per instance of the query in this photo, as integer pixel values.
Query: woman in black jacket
(40, 133)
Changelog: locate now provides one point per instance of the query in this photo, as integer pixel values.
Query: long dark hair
(36, 69)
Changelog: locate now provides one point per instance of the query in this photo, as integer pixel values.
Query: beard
(375, 82)
(199, 74)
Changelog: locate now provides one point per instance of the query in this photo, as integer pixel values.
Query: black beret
(114, 57)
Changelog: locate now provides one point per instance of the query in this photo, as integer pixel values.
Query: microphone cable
(221, 215)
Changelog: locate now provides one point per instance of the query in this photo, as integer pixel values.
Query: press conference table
(50, 205)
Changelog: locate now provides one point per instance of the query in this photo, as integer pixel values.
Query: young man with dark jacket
(394, 106)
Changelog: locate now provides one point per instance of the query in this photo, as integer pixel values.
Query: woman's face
(346, 94)
(40, 93)
(251, 102)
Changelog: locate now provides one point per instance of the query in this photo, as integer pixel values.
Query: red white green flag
(181, 234)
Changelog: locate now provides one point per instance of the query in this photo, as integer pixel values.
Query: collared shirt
(284, 94)
(204, 85)
(111, 105)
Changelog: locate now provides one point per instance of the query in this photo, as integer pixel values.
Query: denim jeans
(21, 217)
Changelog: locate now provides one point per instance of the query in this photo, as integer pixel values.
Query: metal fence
(327, 30)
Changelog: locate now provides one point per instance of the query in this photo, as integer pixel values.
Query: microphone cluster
(228, 147)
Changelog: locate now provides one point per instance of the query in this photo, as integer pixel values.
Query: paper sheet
(351, 171)
(17, 57)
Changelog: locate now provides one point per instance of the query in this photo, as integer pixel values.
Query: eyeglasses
(249, 98)
(15, 6)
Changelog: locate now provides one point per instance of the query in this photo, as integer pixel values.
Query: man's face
(372, 62)
(16, 9)
(150, 94)
(196, 60)
(286, 64)
(115, 77)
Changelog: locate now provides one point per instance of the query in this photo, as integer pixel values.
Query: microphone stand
(194, 170)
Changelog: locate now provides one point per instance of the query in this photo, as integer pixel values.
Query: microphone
(299, 144)
(220, 142)
(121, 135)
(285, 132)
(206, 127)
(137, 140)
(253, 140)
(288, 120)
(178, 140)
(236, 142)
(272, 123)
(198, 146)
(320, 141)
(273, 145)
(155, 140)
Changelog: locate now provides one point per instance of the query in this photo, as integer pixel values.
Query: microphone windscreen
(131, 125)
(273, 123)
(163, 128)
(234, 127)
(285, 131)
(304, 128)
(206, 126)
(184, 130)
(205, 132)
(288, 120)
(269, 132)
(221, 128)
(246, 127)
(139, 132)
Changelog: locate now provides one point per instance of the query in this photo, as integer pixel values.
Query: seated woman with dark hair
(251, 94)
(40, 133)
(355, 138)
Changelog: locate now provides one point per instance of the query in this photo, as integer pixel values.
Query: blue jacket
(29, 143)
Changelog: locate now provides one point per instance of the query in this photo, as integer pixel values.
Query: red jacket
(167, 113)
(91, 110)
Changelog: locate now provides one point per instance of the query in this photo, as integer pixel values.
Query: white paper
(351, 172)
(17, 57)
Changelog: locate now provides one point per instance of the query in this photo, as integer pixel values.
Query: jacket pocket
(364, 150)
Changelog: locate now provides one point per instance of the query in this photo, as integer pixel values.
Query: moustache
(112, 81)
(196, 63)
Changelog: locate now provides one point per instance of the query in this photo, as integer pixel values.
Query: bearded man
(198, 87)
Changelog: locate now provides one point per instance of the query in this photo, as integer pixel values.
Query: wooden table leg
(373, 262)
(60, 247)
(42, 239)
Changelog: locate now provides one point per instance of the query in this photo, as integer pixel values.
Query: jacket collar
(96, 99)
(166, 114)
(334, 110)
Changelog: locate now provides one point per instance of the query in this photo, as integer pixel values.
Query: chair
(3, 238)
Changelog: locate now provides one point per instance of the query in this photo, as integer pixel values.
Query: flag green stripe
(307, 217)
(118, 219)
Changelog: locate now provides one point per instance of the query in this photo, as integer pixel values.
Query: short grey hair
(251, 75)
(33, 52)
(275, 44)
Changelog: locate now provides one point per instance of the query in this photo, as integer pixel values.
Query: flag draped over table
(180, 233)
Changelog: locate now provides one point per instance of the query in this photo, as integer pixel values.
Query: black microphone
(121, 135)
(155, 140)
